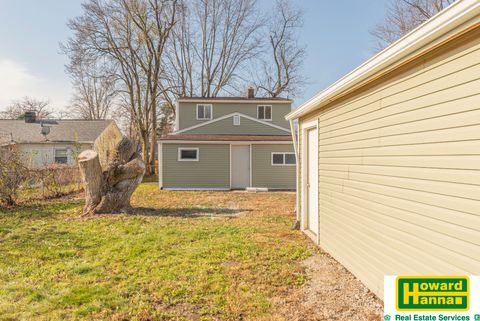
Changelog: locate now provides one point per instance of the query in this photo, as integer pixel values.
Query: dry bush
(56, 180)
(12, 174)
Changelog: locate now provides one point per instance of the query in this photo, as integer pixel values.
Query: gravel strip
(332, 293)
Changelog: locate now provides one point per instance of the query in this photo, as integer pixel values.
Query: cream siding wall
(41, 155)
(211, 171)
(246, 127)
(266, 175)
(187, 116)
(399, 169)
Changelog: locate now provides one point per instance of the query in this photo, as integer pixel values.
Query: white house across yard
(43, 142)
(389, 156)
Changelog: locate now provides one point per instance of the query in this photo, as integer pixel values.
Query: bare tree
(281, 67)
(94, 85)
(211, 47)
(18, 108)
(403, 16)
(131, 36)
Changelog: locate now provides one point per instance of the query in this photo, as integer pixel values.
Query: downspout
(296, 226)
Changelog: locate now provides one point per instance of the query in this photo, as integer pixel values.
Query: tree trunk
(92, 176)
(109, 190)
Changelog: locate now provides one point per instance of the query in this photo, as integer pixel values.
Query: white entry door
(312, 181)
(240, 166)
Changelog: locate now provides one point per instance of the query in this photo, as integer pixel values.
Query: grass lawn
(184, 255)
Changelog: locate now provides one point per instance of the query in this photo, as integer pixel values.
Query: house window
(283, 159)
(204, 112)
(264, 112)
(61, 156)
(188, 154)
(236, 120)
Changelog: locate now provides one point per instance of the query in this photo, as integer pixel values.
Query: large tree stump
(109, 189)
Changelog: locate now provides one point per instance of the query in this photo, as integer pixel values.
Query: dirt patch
(332, 293)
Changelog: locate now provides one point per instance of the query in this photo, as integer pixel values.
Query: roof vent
(250, 92)
(30, 116)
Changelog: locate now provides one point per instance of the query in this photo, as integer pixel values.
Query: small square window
(61, 156)
(204, 112)
(277, 159)
(188, 154)
(264, 112)
(290, 159)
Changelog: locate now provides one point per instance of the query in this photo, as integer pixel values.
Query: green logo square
(435, 293)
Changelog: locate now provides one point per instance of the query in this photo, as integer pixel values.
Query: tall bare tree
(281, 66)
(403, 16)
(131, 35)
(17, 109)
(211, 47)
(94, 85)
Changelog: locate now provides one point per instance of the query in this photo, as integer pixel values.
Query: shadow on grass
(188, 212)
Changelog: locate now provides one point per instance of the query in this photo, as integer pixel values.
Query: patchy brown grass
(179, 256)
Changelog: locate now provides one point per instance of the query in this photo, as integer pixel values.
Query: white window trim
(180, 149)
(271, 112)
(211, 112)
(283, 153)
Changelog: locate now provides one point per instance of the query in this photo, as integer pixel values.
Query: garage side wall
(212, 170)
(399, 168)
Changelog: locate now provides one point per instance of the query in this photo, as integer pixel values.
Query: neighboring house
(229, 143)
(389, 178)
(46, 141)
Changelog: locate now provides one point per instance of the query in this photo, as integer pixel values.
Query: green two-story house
(228, 143)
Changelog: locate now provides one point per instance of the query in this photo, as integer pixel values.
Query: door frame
(250, 160)
(305, 127)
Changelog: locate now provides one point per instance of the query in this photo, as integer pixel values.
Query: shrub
(12, 174)
(57, 179)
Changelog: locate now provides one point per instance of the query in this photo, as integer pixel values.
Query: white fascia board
(204, 123)
(231, 115)
(426, 36)
(264, 122)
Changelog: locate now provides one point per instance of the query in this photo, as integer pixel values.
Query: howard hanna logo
(432, 293)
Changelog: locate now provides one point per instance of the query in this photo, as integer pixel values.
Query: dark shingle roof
(279, 99)
(60, 130)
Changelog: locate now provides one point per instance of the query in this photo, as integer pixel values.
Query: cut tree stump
(109, 189)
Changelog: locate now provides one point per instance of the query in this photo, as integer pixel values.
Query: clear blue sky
(335, 33)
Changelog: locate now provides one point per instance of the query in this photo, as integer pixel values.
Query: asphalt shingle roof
(254, 99)
(60, 130)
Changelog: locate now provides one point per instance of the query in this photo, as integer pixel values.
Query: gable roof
(447, 25)
(229, 116)
(84, 131)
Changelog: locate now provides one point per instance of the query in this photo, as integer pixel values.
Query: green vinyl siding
(212, 170)
(267, 175)
(246, 127)
(187, 112)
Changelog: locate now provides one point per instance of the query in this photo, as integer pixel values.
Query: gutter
(424, 38)
(297, 173)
